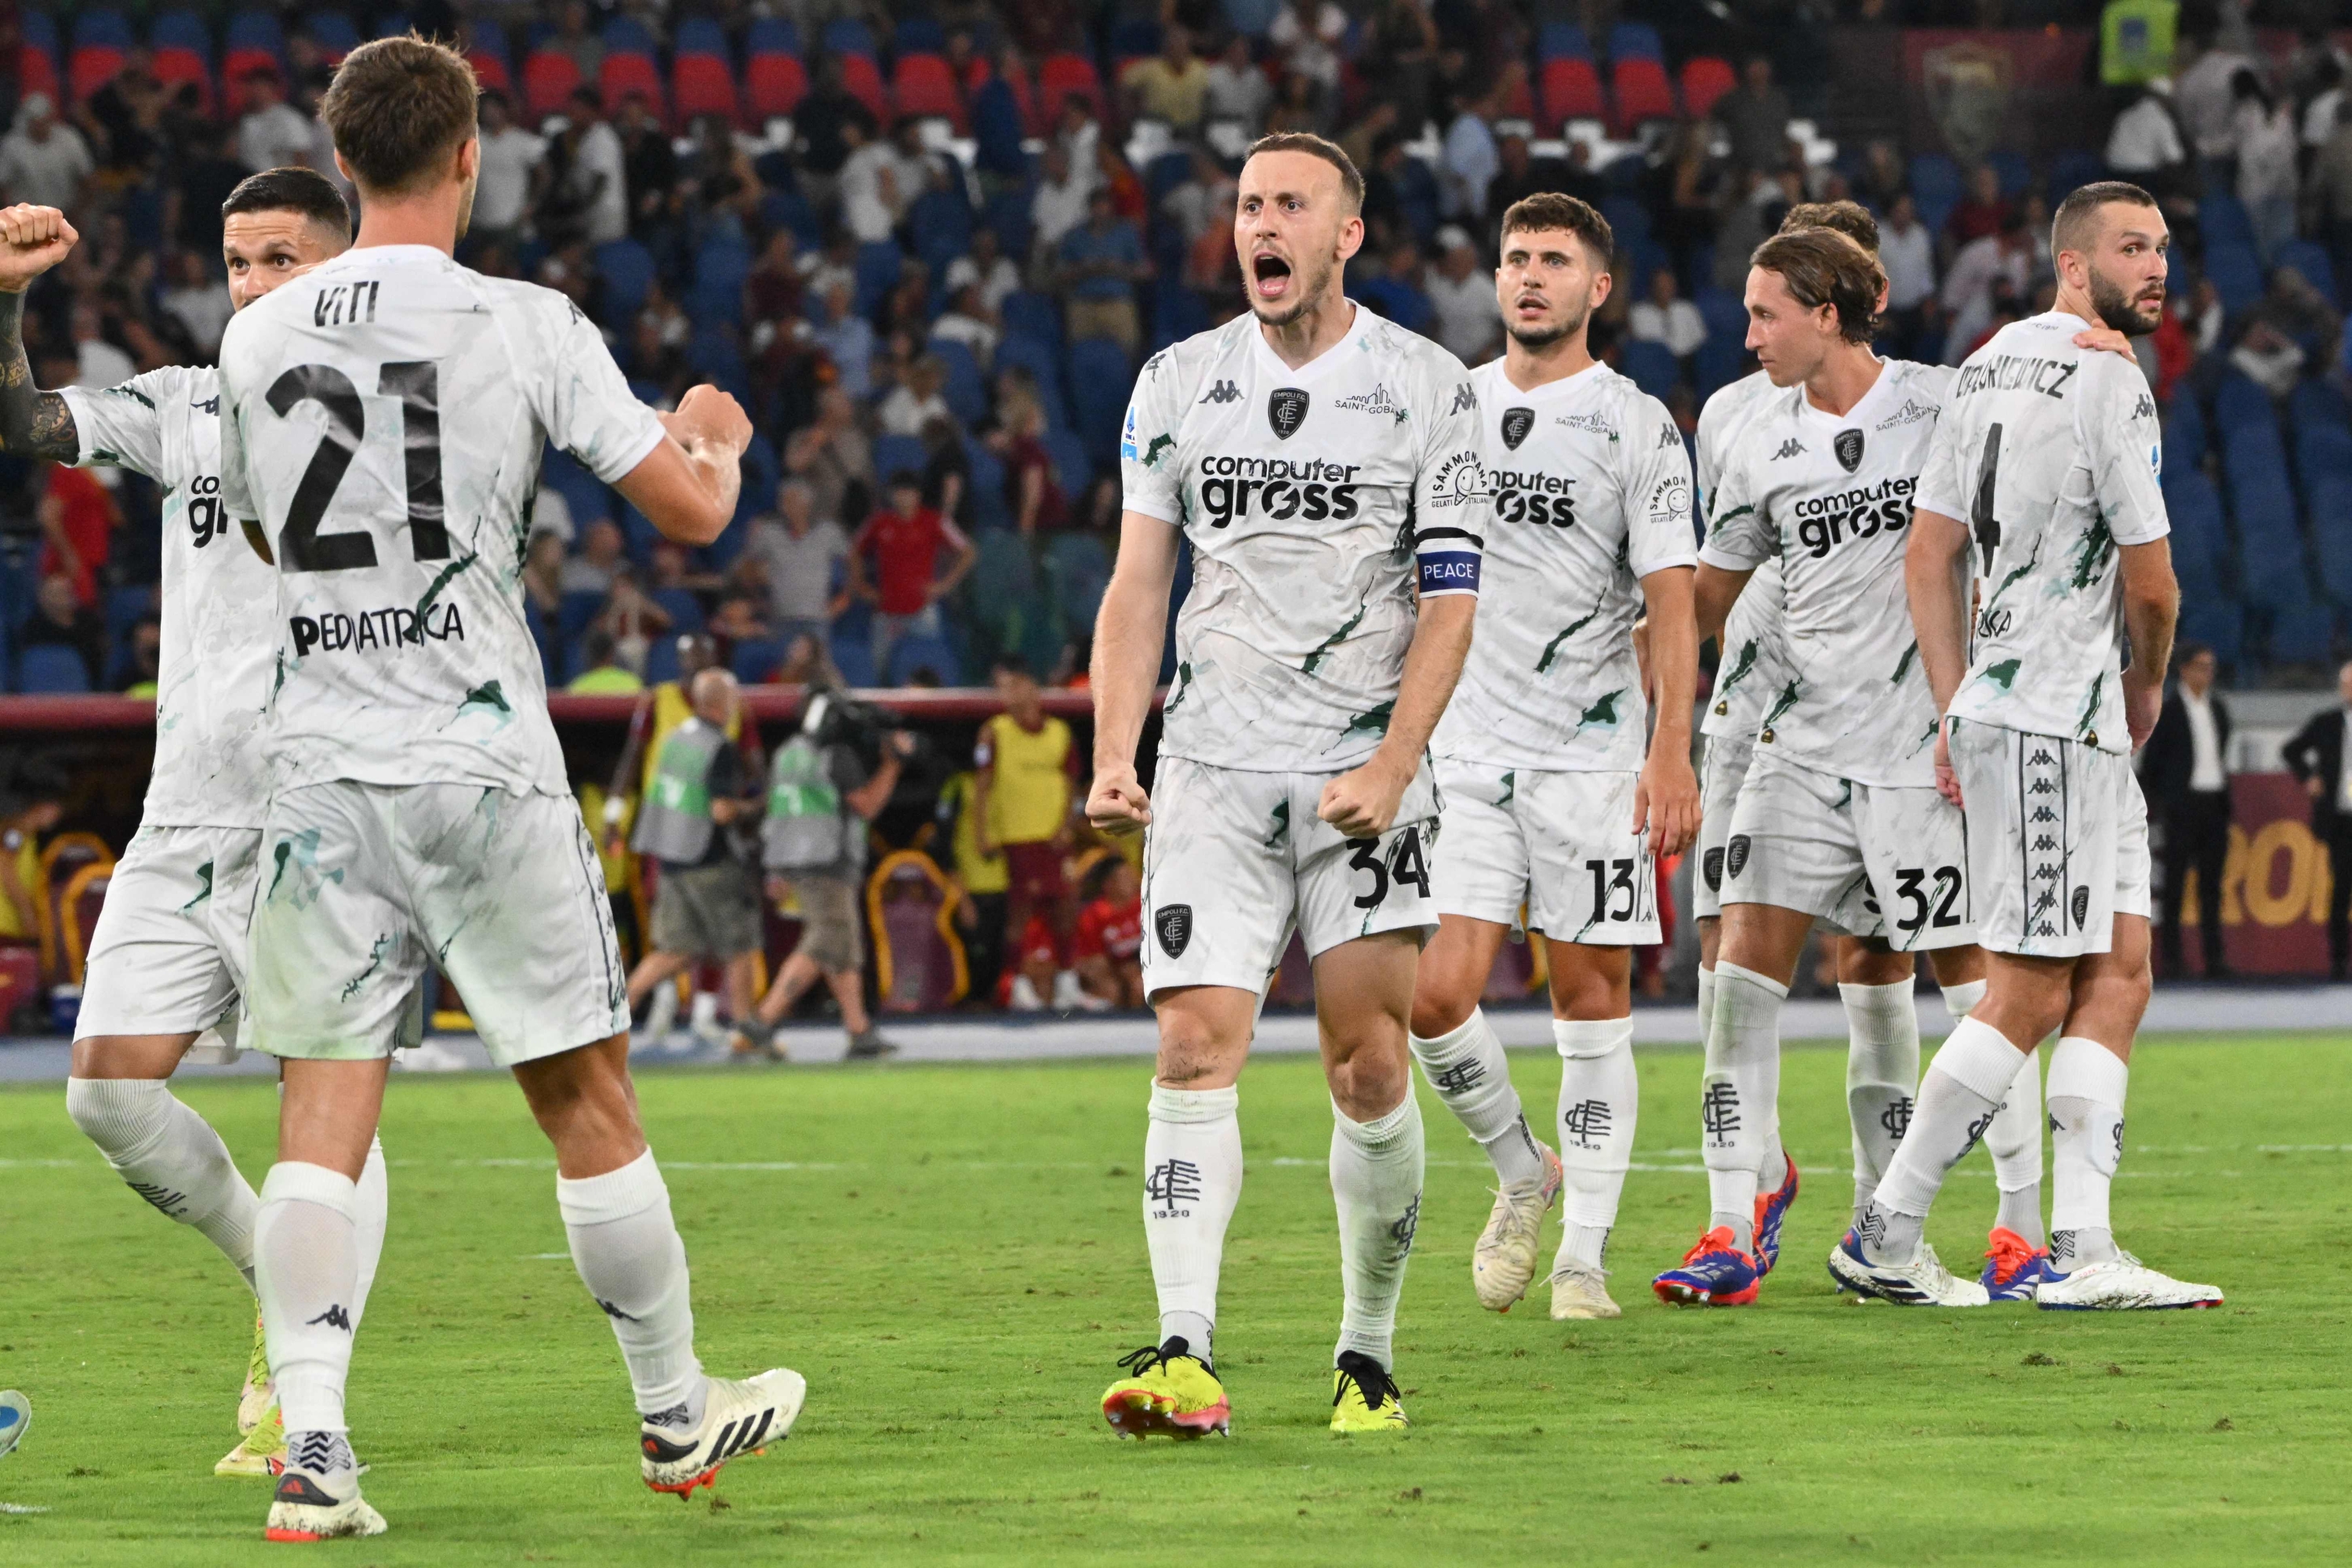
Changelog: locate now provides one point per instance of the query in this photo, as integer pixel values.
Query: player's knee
(121, 1116)
(1598, 985)
(1440, 1009)
(1869, 962)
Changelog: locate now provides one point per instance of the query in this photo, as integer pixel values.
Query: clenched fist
(32, 240)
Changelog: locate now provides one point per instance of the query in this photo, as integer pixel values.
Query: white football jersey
(1831, 495)
(1592, 493)
(2052, 456)
(1315, 501)
(383, 418)
(1749, 659)
(218, 598)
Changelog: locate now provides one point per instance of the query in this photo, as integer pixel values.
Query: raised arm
(1130, 629)
(32, 422)
(688, 486)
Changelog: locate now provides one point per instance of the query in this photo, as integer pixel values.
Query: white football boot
(738, 1419)
(1503, 1263)
(1577, 1293)
(1924, 1281)
(319, 1495)
(2121, 1284)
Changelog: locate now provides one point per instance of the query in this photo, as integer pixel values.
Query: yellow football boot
(1364, 1397)
(1169, 1391)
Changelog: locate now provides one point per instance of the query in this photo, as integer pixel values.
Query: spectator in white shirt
(1907, 251)
(97, 361)
(200, 302)
(1240, 93)
(43, 161)
(969, 320)
(988, 266)
(871, 200)
(1968, 287)
(2208, 106)
(917, 400)
(1309, 34)
(1060, 204)
(598, 179)
(800, 553)
(1665, 317)
(509, 156)
(2144, 144)
(2265, 133)
(1462, 292)
(274, 135)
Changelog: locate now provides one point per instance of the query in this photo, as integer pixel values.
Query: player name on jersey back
(1830, 496)
(2052, 456)
(214, 656)
(1315, 501)
(1592, 493)
(384, 418)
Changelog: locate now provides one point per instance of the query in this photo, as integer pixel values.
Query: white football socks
(2087, 1084)
(1882, 1075)
(372, 1198)
(628, 1253)
(306, 1267)
(1965, 1084)
(1739, 1095)
(172, 1157)
(2014, 1142)
(1599, 1099)
(1193, 1179)
(1376, 1177)
(1467, 1068)
(1706, 1001)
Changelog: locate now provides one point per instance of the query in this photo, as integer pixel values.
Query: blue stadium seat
(332, 31)
(625, 273)
(910, 654)
(2236, 272)
(49, 670)
(2224, 219)
(2311, 260)
(1936, 188)
(1718, 363)
(917, 35)
(701, 36)
(878, 273)
(2201, 540)
(966, 392)
(1562, 41)
(2327, 502)
(782, 208)
(755, 658)
(1077, 567)
(1018, 349)
(1652, 367)
(580, 491)
(2184, 434)
(1071, 463)
(1629, 218)
(761, 472)
(40, 31)
(1032, 315)
(181, 30)
(1635, 41)
(1100, 381)
(853, 655)
(985, 474)
(939, 222)
(2217, 622)
(849, 36)
(1008, 214)
(2016, 173)
(661, 659)
(103, 28)
(771, 36)
(2072, 169)
(996, 127)
(573, 614)
(685, 611)
(892, 453)
(720, 266)
(2303, 632)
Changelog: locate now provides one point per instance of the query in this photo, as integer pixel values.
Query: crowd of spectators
(927, 246)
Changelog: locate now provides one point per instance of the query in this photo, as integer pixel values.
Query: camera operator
(823, 786)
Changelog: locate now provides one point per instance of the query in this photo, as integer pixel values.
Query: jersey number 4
(417, 384)
(1981, 522)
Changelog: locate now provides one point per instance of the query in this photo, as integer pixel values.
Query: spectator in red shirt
(1982, 211)
(78, 518)
(1108, 947)
(902, 583)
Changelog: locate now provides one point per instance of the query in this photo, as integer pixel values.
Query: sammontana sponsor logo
(1461, 478)
(377, 630)
(1279, 488)
(2016, 372)
(1858, 513)
(1911, 412)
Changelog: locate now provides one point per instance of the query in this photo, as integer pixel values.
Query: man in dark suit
(2316, 756)
(2187, 774)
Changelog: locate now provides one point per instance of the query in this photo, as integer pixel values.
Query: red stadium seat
(1643, 93)
(861, 79)
(1571, 90)
(548, 78)
(922, 84)
(37, 72)
(239, 64)
(490, 71)
(628, 76)
(1518, 103)
(702, 84)
(20, 980)
(174, 67)
(1704, 79)
(772, 85)
(91, 66)
(1058, 76)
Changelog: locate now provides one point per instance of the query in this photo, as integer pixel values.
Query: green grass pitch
(954, 1257)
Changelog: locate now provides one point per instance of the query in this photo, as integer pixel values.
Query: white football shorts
(1721, 772)
(1233, 860)
(168, 956)
(361, 887)
(1870, 860)
(2057, 840)
(1559, 843)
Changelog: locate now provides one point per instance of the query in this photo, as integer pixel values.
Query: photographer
(822, 791)
(706, 903)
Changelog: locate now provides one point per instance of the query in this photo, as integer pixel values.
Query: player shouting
(2046, 461)
(1325, 464)
(167, 961)
(383, 419)
(1557, 797)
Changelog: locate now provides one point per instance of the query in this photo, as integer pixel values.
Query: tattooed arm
(32, 422)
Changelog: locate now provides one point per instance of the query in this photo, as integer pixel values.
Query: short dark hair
(304, 191)
(1547, 211)
(398, 108)
(904, 480)
(1314, 147)
(1011, 664)
(1851, 220)
(1822, 266)
(2183, 652)
(2070, 223)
